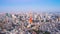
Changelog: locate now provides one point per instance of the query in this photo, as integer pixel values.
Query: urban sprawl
(30, 23)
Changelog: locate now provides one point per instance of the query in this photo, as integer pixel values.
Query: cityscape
(30, 23)
(29, 16)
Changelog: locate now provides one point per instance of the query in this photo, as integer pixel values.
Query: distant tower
(30, 19)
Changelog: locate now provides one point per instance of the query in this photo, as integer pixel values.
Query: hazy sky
(26, 5)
